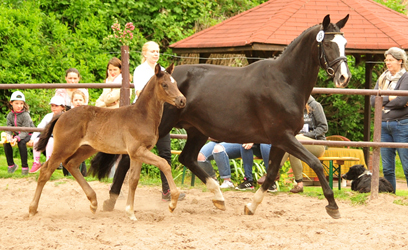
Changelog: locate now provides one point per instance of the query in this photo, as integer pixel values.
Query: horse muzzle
(180, 102)
(342, 76)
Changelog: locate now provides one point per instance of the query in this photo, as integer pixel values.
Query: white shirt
(142, 75)
(47, 118)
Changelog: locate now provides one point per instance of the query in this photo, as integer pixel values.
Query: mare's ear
(170, 68)
(326, 22)
(342, 22)
(157, 70)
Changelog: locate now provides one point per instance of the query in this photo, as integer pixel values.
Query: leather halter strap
(328, 66)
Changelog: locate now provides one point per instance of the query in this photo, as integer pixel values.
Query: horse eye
(165, 85)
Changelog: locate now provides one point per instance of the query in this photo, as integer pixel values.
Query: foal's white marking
(130, 213)
(341, 43)
(172, 79)
(214, 188)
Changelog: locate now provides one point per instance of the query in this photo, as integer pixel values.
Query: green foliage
(397, 5)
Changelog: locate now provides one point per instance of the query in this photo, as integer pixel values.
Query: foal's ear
(157, 70)
(342, 22)
(326, 22)
(170, 69)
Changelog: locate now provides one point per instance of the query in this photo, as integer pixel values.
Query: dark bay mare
(260, 103)
(133, 130)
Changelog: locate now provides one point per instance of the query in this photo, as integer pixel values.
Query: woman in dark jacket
(394, 126)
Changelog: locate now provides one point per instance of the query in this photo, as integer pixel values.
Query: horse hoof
(171, 209)
(93, 208)
(247, 211)
(32, 213)
(219, 204)
(108, 205)
(334, 213)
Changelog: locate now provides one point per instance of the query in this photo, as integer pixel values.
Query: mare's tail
(44, 136)
(102, 164)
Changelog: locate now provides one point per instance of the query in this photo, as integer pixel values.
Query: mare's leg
(303, 154)
(144, 155)
(275, 157)
(188, 157)
(45, 173)
(72, 165)
(134, 176)
(296, 149)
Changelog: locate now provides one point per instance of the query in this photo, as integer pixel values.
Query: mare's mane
(290, 45)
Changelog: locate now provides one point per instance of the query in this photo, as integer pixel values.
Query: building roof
(274, 24)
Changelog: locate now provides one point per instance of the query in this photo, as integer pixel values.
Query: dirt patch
(282, 221)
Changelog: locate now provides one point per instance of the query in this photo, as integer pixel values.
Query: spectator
(394, 126)
(78, 98)
(222, 153)
(72, 76)
(18, 117)
(110, 96)
(57, 107)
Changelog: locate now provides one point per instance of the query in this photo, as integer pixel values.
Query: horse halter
(322, 55)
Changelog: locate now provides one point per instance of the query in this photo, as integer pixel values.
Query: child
(72, 76)
(18, 117)
(78, 98)
(57, 107)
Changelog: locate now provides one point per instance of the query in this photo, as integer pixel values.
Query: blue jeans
(247, 156)
(394, 131)
(265, 150)
(231, 151)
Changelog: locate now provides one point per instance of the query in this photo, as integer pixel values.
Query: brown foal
(83, 131)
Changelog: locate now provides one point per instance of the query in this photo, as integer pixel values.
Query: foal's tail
(42, 143)
(102, 164)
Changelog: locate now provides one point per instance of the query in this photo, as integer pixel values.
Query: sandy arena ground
(282, 221)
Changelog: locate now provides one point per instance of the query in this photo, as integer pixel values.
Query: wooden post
(125, 89)
(376, 150)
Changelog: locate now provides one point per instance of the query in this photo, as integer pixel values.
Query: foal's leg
(144, 155)
(134, 176)
(188, 157)
(72, 165)
(275, 157)
(45, 173)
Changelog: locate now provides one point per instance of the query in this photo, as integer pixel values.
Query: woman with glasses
(394, 126)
